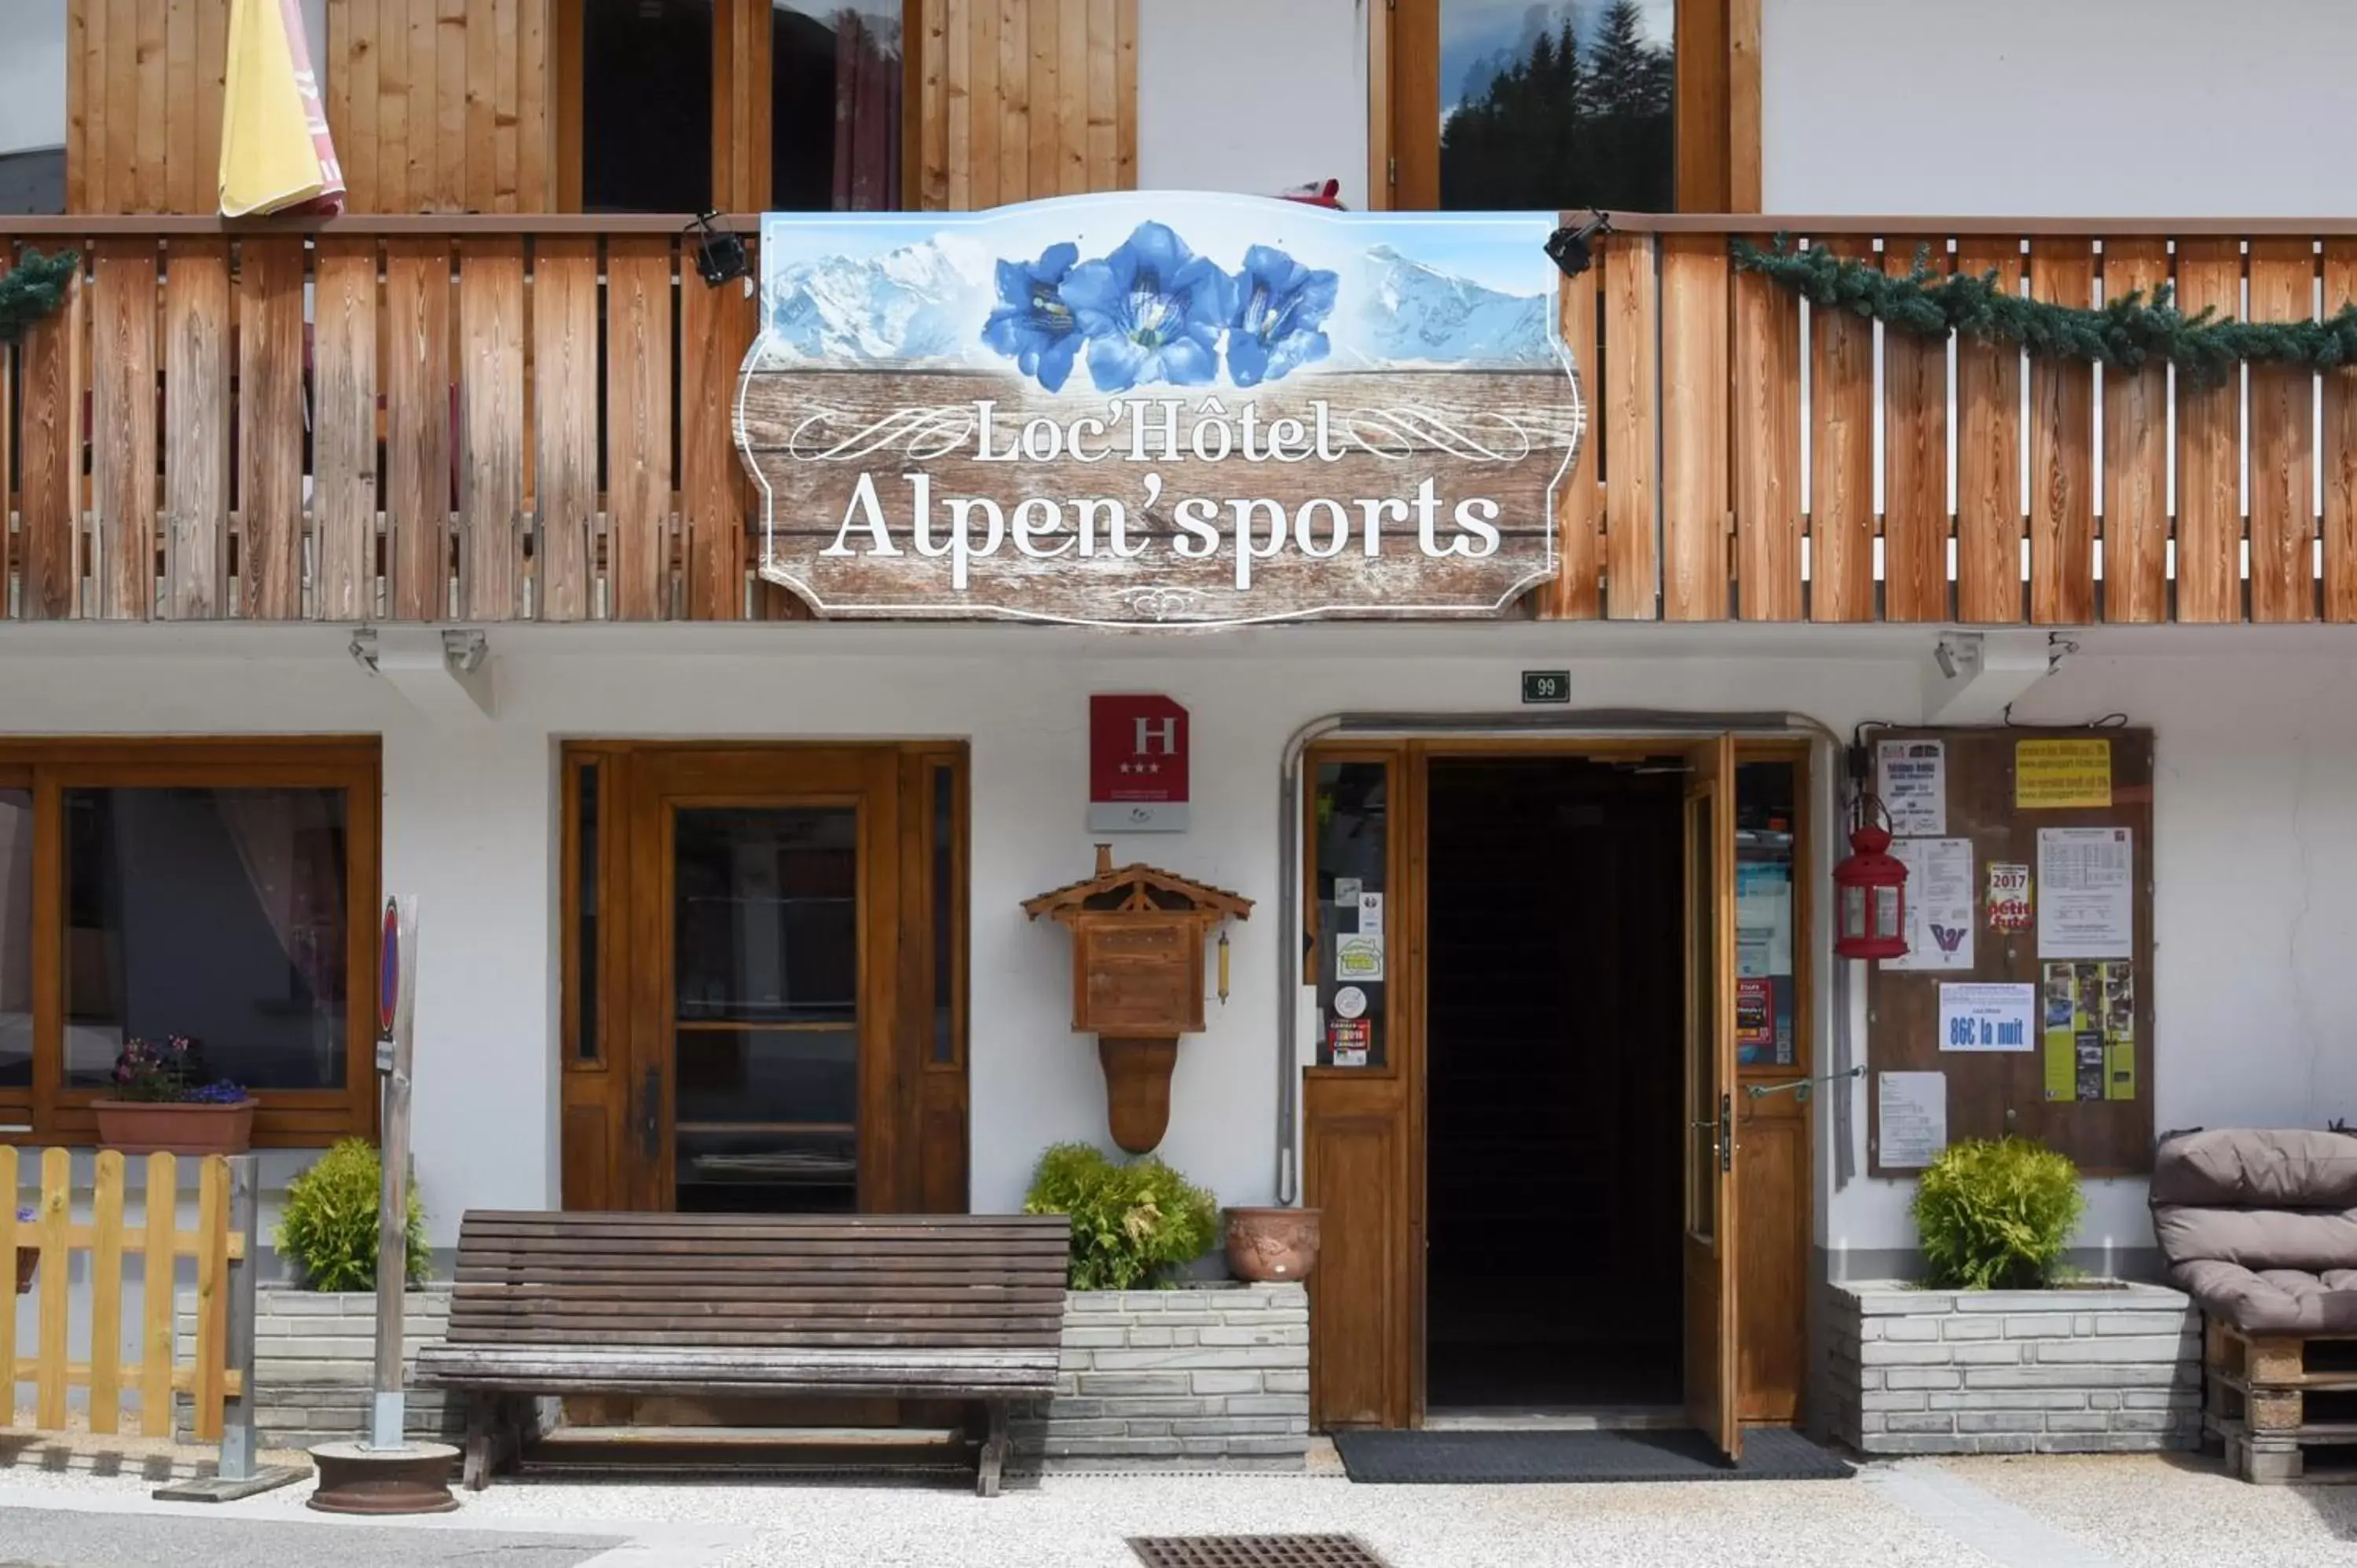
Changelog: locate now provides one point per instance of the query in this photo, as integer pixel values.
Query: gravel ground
(2152, 1512)
(1989, 1513)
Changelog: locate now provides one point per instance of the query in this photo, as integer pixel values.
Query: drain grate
(1252, 1551)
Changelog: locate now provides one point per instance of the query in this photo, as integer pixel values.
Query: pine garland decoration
(31, 291)
(2127, 333)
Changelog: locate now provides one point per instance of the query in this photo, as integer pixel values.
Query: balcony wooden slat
(197, 414)
(1915, 462)
(1695, 544)
(205, 121)
(416, 354)
(2061, 450)
(123, 428)
(716, 327)
(1576, 593)
(271, 427)
(2338, 436)
(1630, 456)
(49, 446)
(1988, 454)
(564, 379)
(344, 453)
(2136, 454)
(2209, 421)
(637, 425)
(2282, 444)
(1073, 51)
(531, 130)
(445, 170)
(1766, 449)
(1841, 480)
(490, 427)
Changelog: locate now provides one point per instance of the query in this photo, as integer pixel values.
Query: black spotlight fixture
(1570, 249)
(719, 253)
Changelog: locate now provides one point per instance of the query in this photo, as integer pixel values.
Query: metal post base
(223, 1490)
(356, 1479)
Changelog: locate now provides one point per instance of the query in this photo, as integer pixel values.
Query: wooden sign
(1156, 408)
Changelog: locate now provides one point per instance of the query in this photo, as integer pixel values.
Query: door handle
(651, 1115)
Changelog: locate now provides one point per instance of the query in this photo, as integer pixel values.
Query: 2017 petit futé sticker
(1159, 408)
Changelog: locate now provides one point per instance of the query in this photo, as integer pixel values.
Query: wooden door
(1712, 1222)
(764, 966)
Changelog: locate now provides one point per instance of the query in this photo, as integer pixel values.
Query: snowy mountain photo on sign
(1309, 290)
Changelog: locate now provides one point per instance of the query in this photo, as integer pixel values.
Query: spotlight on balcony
(719, 255)
(1570, 249)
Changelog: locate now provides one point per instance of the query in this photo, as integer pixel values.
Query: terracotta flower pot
(176, 1127)
(28, 1259)
(1266, 1244)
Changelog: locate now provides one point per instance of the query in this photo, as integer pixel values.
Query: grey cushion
(2261, 1227)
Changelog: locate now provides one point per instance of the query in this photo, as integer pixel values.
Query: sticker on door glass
(1359, 957)
(1349, 1002)
(1346, 1041)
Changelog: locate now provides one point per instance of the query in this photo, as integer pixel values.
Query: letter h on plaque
(1137, 765)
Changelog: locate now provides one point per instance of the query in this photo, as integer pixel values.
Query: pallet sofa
(965, 1308)
(2260, 1228)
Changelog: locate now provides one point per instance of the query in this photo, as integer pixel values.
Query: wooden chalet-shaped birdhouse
(1138, 934)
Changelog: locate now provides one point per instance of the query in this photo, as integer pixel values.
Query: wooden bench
(965, 1308)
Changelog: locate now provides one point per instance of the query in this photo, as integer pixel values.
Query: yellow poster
(2052, 774)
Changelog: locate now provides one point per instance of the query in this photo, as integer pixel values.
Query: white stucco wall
(2256, 828)
(1251, 95)
(2141, 108)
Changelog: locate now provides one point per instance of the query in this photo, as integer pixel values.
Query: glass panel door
(765, 1008)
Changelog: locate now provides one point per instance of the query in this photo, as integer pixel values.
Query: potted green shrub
(1996, 1215)
(1134, 1222)
(165, 1100)
(329, 1224)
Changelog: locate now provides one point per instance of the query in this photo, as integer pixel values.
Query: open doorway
(1554, 989)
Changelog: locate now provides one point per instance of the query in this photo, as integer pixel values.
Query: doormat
(1250, 1551)
(1410, 1458)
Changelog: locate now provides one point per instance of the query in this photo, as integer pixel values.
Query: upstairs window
(684, 105)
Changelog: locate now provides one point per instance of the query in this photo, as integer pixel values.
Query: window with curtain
(222, 891)
(835, 107)
(672, 96)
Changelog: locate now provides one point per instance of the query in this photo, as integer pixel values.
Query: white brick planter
(2100, 1369)
(1210, 1377)
(1203, 1379)
(314, 1355)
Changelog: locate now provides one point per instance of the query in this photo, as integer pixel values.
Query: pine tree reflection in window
(1559, 106)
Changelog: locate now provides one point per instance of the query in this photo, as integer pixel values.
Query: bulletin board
(2069, 806)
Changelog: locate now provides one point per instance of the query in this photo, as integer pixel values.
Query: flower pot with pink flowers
(167, 1101)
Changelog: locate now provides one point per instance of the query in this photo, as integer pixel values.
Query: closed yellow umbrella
(277, 154)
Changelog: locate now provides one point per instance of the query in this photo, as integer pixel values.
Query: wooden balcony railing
(528, 418)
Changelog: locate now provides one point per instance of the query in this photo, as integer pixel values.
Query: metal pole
(237, 1411)
(392, 1214)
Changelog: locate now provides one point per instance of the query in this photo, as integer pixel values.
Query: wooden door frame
(921, 1165)
(1717, 100)
(1358, 1095)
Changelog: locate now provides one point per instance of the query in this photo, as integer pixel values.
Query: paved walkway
(2123, 1512)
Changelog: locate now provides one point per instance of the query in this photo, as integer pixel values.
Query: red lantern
(1872, 885)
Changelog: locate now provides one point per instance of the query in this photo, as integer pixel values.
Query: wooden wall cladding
(1021, 99)
(437, 105)
(441, 105)
(1993, 1093)
(144, 104)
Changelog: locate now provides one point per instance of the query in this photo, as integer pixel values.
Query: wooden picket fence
(163, 1366)
(517, 417)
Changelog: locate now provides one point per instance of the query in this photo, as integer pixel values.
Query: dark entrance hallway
(1554, 931)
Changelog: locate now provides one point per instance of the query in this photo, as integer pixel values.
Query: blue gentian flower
(1152, 311)
(1032, 325)
(1280, 305)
